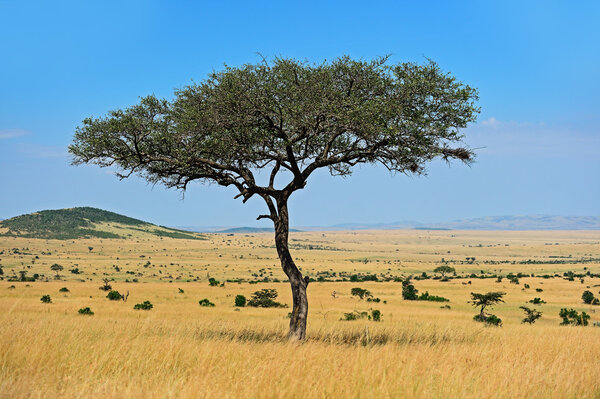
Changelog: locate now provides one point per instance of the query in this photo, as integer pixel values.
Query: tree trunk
(299, 284)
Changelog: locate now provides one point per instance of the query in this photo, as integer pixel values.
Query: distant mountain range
(518, 222)
(86, 222)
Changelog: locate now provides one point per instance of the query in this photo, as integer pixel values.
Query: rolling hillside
(85, 222)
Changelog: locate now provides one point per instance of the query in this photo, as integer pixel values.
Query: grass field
(180, 349)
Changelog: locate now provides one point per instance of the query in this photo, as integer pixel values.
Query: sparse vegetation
(146, 305)
(46, 299)
(531, 315)
(85, 311)
(573, 318)
(207, 303)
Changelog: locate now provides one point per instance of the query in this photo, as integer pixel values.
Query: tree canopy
(291, 116)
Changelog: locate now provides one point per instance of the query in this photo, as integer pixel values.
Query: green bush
(240, 301)
(354, 316)
(212, 282)
(588, 297)
(409, 292)
(114, 296)
(265, 298)
(46, 299)
(86, 311)
(146, 305)
(63, 289)
(537, 301)
(531, 315)
(181, 291)
(489, 319)
(376, 315)
(206, 302)
(572, 317)
(432, 298)
(360, 292)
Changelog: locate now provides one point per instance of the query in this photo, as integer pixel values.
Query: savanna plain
(181, 349)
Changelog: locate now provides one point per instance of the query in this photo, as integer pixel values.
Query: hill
(85, 222)
(252, 230)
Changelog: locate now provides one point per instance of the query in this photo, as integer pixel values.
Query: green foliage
(114, 296)
(426, 297)
(206, 302)
(63, 289)
(86, 311)
(537, 301)
(146, 305)
(588, 298)
(376, 315)
(487, 300)
(360, 292)
(531, 315)
(443, 270)
(240, 301)
(488, 319)
(46, 299)
(181, 291)
(265, 298)
(572, 317)
(355, 315)
(409, 292)
(213, 282)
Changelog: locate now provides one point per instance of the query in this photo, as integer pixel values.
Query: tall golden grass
(182, 350)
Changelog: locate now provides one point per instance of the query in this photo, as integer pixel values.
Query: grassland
(180, 349)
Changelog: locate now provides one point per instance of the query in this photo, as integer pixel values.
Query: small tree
(286, 119)
(213, 282)
(23, 275)
(206, 302)
(114, 296)
(56, 268)
(46, 299)
(265, 298)
(240, 301)
(360, 292)
(589, 298)
(531, 315)
(409, 292)
(90, 249)
(106, 286)
(443, 270)
(572, 317)
(484, 301)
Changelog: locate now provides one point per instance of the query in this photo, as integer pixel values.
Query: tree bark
(297, 281)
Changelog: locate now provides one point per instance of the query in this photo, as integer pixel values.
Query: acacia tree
(266, 128)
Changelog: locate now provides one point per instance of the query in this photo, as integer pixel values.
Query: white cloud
(11, 133)
(491, 122)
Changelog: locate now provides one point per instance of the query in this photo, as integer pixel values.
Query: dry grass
(179, 349)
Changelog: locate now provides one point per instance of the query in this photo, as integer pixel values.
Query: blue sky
(535, 64)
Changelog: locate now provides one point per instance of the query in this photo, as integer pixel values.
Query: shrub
(46, 299)
(537, 301)
(432, 298)
(572, 317)
(206, 302)
(491, 320)
(376, 300)
(376, 315)
(265, 298)
(588, 297)
(63, 289)
(114, 296)
(354, 316)
(360, 292)
(240, 301)
(86, 311)
(409, 292)
(538, 290)
(106, 286)
(531, 315)
(181, 291)
(212, 282)
(526, 286)
(146, 305)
